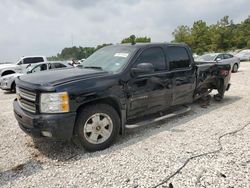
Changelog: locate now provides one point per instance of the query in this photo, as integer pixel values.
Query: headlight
(54, 102)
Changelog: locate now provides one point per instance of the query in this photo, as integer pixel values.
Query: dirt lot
(143, 157)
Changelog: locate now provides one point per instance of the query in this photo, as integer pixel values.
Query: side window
(39, 68)
(37, 59)
(51, 66)
(178, 57)
(220, 56)
(58, 65)
(227, 56)
(153, 55)
(28, 60)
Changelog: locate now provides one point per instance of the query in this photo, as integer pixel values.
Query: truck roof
(33, 56)
(152, 44)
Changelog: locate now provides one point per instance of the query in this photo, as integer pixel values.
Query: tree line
(225, 35)
(80, 52)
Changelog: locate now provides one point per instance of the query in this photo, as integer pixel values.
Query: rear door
(148, 92)
(183, 74)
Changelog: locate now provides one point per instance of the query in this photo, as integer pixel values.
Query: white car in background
(21, 65)
(244, 55)
(8, 82)
(221, 58)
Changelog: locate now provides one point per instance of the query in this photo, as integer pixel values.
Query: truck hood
(61, 76)
(3, 66)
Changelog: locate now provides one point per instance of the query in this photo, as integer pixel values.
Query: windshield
(206, 57)
(111, 58)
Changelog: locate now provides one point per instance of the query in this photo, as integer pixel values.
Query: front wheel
(235, 68)
(96, 127)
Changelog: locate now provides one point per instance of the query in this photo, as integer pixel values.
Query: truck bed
(211, 75)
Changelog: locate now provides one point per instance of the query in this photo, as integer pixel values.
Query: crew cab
(118, 85)
(20, 66)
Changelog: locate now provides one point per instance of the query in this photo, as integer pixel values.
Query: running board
(185, 109)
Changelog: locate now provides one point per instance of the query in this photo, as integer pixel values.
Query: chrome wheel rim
(98, 128)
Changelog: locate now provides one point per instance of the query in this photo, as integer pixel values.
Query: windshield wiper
(92, 67)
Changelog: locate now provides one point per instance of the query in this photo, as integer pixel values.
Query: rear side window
(59, 65)
(155, 56)
(28, 60)
(178, 57)
(56, 65)
(227, 56)
(37, 59)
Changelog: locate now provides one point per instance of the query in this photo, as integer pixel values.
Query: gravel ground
(143, 157)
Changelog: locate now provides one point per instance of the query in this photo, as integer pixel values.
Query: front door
(150, 92)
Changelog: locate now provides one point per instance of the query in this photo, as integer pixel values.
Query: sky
(45, 27)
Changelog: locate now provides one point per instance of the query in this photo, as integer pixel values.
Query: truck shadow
(68, 151)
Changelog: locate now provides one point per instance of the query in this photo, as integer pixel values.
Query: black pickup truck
(116, 86)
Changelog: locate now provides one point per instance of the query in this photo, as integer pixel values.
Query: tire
(13, 87)
(235, 68)
(97, 127)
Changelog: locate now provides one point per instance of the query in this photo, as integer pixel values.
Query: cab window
(178, 57)
(155, 56)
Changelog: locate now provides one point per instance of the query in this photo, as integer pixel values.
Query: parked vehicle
(118, 87)
(21, 65)
(244, 55)
(8, 82)
(221, 58)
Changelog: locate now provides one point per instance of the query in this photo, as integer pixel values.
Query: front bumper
(59, 125)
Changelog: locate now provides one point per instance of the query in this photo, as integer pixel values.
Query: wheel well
(109, 100)
(7, 72)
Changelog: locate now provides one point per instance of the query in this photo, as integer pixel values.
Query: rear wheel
(96, 127)
(235, 68)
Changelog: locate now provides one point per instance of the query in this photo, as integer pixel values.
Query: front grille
(26, 99)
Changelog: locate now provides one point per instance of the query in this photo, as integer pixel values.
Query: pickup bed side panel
(209, 77)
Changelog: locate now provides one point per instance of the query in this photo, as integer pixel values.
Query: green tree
(182, 34)
(200, 37)
(134, 39)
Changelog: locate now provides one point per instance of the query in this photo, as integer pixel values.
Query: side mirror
(142, 68)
